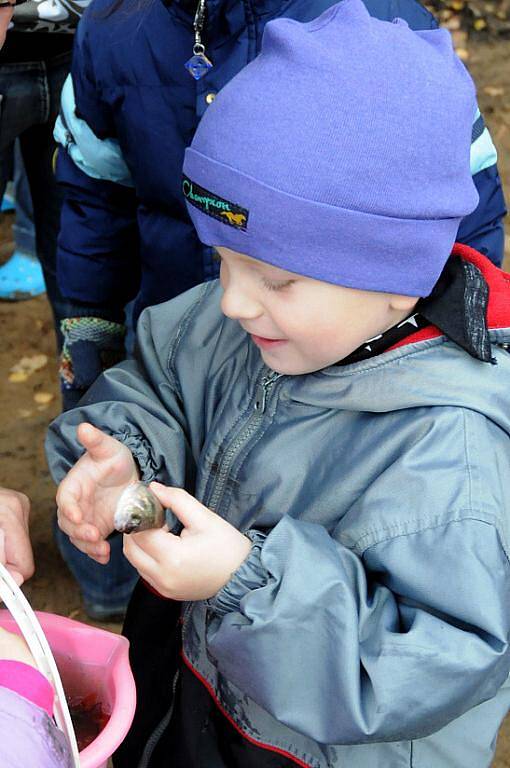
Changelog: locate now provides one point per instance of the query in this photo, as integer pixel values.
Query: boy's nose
(238, 305)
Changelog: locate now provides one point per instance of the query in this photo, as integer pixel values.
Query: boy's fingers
(68, 498)
(69, 523)
(80, 531)
(99, 551)
(100, 554)
(79, 544)
(70, 511)
(144, 563)
(99, 445)
(65, 525)
(158, 543)
(91, 534)
(190, 512)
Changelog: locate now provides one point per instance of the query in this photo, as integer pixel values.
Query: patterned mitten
(91, 345)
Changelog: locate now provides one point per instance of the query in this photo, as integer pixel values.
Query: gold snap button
(210, 98)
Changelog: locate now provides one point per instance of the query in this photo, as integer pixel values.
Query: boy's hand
(87, 496)
(194, 565)
(16, 551)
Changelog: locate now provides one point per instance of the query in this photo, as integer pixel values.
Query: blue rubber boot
(7, 205)
(21, 278)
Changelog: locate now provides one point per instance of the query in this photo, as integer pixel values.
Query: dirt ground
(26, 407)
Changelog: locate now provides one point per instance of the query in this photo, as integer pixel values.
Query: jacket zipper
(243, 436)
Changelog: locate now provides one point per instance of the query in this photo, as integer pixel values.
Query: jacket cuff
(250, 575)
(141, 452)
(27, 682)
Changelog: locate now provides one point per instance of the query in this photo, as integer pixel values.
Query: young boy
(344, 555)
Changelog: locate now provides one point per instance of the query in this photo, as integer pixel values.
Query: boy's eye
(277, 285)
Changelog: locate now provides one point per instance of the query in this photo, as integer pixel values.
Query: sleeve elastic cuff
(250, 575)
(140, 448)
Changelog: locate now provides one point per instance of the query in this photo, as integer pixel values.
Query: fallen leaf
(479, 24)
(24, 413)
(26, 367)
(453, 24)
(462, 53)
(494, 90)
(17, 377)
(32, 363)
(43, 398)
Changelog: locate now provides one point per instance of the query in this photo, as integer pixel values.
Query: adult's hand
(14, 514)
(5, 20)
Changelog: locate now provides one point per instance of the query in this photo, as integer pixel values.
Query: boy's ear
(403, 303)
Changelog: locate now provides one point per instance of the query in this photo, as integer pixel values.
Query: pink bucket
(91, 661)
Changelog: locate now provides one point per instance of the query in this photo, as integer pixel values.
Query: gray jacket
(369, 627)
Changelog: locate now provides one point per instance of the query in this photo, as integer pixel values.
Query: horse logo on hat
(236, 219)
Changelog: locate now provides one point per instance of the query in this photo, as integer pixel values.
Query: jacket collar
(471, 298)
(458, 306)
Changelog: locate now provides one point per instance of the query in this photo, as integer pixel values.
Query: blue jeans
(23, 228)
(29, 104)
(109, 586)
(13, 168)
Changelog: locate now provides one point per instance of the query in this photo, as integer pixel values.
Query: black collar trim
(457, 307)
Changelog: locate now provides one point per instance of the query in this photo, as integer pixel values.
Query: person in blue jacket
(128, 112)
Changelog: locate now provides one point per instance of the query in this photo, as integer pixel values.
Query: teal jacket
(369, 627)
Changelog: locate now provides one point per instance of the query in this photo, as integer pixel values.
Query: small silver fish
(138, 509)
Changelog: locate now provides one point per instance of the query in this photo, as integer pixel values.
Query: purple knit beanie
(340, 153)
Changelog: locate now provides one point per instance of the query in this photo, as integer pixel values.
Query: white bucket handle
(27, 621)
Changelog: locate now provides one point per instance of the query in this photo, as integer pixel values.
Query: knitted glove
(91, 345)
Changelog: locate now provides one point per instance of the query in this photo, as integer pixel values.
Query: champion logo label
(217, 207)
